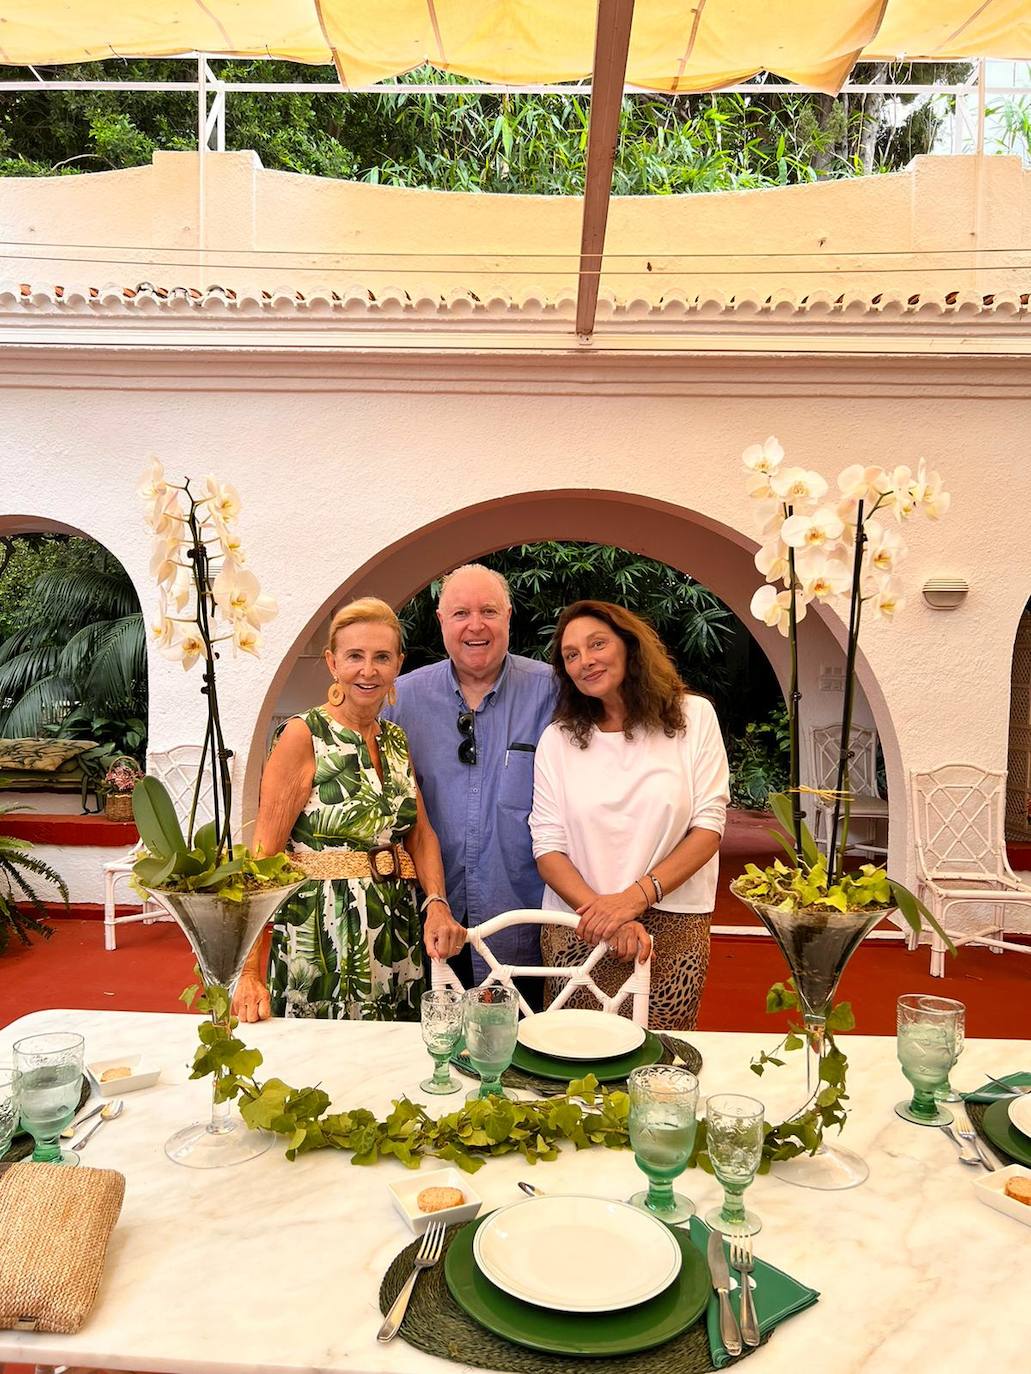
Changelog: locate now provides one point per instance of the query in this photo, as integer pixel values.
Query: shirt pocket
(516, 790)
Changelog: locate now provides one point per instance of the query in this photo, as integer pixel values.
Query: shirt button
(475, 789)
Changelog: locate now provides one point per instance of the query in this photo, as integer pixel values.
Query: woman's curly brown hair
(653, 692)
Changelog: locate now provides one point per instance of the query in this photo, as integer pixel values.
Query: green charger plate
(599, 1334)
(604, 1070)
(1001, 1131)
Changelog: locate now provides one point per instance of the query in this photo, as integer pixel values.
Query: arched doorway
(714, 554)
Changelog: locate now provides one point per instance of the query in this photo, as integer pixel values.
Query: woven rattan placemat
(674, 1049)
(976, 1111)
(22, 1144)
(435, 1323)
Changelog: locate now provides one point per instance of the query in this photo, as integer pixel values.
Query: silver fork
(428, 1254)
(742, 1260)
(966, 1154)
(965, 1131)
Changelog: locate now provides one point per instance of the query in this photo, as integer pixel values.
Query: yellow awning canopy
(675, 44)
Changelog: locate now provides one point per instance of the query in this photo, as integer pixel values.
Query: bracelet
(659, 894)
(435, 897)
(647, 904)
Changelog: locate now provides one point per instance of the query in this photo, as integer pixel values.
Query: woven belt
(382, 861)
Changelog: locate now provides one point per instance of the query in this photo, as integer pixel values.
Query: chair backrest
(825, 745)
(958, 810)
(177, 769)
(637, 985)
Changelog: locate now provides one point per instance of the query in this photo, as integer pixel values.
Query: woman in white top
(630, 794)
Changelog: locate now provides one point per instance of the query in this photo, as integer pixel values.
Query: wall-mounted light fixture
(945, 593)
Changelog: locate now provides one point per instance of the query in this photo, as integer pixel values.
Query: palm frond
(119, 667)
(19, 673)
(45, 701)
(82, 595)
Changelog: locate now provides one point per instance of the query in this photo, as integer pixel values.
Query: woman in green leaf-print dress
(339, 778)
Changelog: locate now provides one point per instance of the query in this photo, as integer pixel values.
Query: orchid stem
(836, 862)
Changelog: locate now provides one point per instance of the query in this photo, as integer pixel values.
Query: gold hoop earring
(391, 695)
(335, 695)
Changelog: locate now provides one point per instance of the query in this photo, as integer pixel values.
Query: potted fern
(220, 893)
(17, 863)
(843, 548)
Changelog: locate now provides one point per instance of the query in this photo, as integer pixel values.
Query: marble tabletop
(275, 1266)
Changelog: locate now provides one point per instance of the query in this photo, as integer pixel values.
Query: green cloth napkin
(991, 1092)
(777, 1296)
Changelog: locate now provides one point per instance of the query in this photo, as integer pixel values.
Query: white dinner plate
(1020, 1114)
(577, 1254)
(580, 1034)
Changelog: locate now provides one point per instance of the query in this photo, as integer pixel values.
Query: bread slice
(1019, 1189)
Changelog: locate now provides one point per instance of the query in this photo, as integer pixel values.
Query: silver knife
(719, 1271)
(70, 1130)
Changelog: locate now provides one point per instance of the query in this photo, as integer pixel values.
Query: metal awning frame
(605, 92)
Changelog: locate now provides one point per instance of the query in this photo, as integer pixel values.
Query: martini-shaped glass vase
(221, 934)
(817, 945)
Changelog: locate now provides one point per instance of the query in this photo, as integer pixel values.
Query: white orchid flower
(152, 483)
(772, 561)
(822, 575)
(819, 530)
(223, 501)
(758, 487)
(246, 638)
(186, 649)
(885, 548)
(162, 630)
(770, 517)
(888, 599)
(763, 458)
(237, 594)
(928, 494)
(232, 548)
(858, 483)
(773, 608)
(164, 515)
(182, 587)
(798, 486)
(164, 560)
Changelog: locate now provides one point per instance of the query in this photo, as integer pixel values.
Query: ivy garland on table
(586, 1115)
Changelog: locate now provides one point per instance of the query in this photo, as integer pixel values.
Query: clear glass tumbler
(663, 1123)
(8, 1107)
(734, 1133)
(490, 1022)
(48, 1080)
(926, 1048)
(947, 1093)
(441, 1016)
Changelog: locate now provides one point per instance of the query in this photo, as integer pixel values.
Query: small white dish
(141, 1076)
(405, 1193)
(1020, 1114)
(991, 1190)
(580, 1034)
(573, 1253)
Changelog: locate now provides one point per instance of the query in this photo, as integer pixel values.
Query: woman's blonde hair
(367, 610)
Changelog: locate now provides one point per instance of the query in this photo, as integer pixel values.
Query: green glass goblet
(947, 1093)
(8, 1107)
(441, 1016)
(734, 1135)
(926, 1050)
(48, 1079)
(490, 1023)
(663, 1122)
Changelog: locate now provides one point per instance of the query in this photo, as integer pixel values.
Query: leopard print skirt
(680, 961)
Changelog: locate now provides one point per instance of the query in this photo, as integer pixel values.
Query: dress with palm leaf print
(350, 949)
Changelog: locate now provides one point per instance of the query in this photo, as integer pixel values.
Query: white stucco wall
(361, 475)
(379, 439)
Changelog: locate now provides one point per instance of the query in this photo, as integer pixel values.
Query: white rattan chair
(177, 769)
(867, 809)
(961, 856)
(637, 985)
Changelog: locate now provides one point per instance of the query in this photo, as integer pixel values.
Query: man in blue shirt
(473, 722)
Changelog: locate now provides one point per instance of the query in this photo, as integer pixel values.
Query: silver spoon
(107, 1113)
